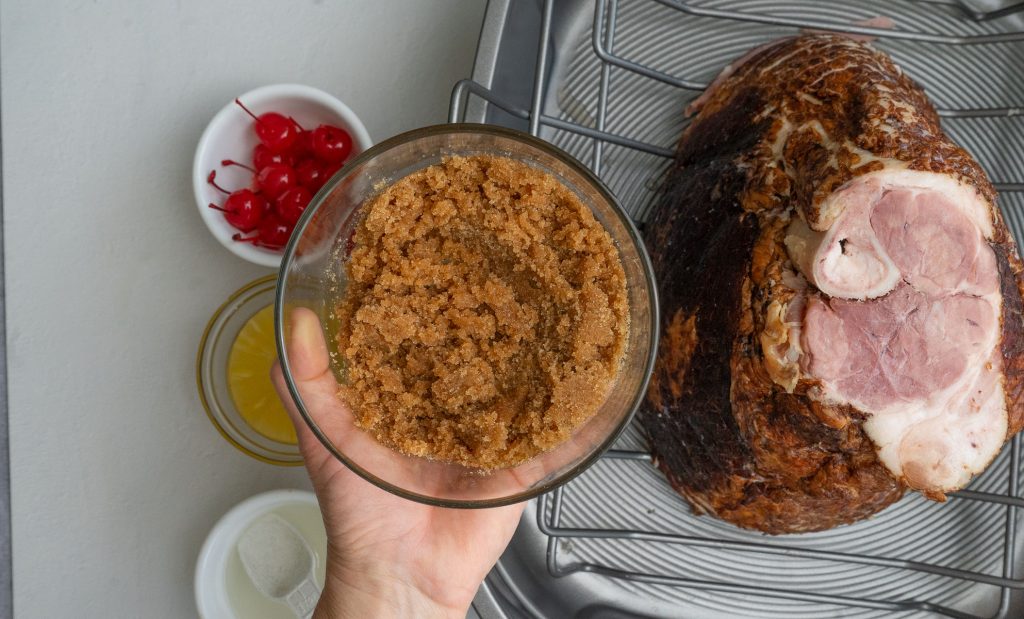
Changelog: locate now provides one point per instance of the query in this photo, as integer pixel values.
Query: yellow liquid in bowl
(252, 355)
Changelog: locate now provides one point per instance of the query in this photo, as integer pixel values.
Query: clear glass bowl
(212, 374)
(313, 276)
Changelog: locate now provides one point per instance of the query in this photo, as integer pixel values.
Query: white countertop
(116, 474)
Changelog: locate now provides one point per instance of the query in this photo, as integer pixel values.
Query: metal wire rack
(550, 509)
(549, 521)
(603, 36)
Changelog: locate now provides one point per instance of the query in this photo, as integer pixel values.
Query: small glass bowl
(212, 374)
(313, 277)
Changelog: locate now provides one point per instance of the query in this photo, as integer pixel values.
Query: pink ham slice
(907, 329)
(900, 348)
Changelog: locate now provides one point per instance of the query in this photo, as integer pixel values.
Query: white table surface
(116, 474)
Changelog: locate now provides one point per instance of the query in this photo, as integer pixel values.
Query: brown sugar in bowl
(486, 314)
(489, 309)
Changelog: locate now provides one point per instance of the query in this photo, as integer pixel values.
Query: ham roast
(841, 299)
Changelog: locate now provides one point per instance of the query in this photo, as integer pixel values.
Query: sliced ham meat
(841, 299)
(930, 334)
(918, 226)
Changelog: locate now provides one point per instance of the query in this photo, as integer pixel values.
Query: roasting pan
(607, 80)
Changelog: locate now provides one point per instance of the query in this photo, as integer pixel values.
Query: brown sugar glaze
(486, 313)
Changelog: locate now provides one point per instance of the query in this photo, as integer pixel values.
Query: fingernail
(307, 350)
(305, 329)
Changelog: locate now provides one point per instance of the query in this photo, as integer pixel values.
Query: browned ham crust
(740, 427)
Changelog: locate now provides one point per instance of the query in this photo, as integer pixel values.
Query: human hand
(386, 556)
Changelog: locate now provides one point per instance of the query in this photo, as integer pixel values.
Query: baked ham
(841, 299)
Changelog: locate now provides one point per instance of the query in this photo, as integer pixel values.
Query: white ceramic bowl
(230, 136)
(217, 564)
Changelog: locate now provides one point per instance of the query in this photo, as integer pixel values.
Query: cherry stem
(220, 208)
(255, 240)
(229, 162)
(211, 179)
(296, 123)
(248, 111)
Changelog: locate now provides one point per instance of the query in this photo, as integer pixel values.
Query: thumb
(308, 357)
(308, 443)
(310, 366)
(309, 363)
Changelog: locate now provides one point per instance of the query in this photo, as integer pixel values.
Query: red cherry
(243, 209)
(272, 234)
(331, 144)
(303, 146)
(274, 179)
(331, 170)
(290, 204)
(275, 130)
(311, 174)
(263, 156)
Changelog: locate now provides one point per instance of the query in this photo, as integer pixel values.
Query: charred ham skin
(740, 435)
(764, 461)
(1011, 281)
(705, 245)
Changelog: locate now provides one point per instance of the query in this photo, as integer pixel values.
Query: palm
(373, 525)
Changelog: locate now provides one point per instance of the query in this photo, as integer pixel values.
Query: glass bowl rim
(204, 342)
(633, 233)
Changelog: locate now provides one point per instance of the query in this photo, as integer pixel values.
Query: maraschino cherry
(276, 131)
(289, 165)
(331, 144)
(290, 204)
(243, 209)
(311, 174)
(263, 156)
(273, 180)
(273, 234)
